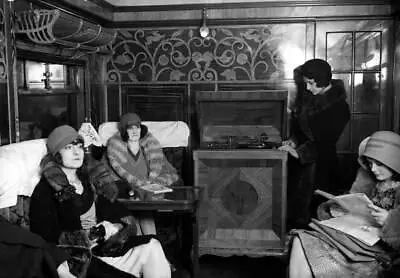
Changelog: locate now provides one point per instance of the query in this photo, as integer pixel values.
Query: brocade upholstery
(18, 214)
(175, 156)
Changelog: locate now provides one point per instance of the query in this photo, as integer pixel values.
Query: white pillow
(20, 169)
(168, 133)
(8, 183)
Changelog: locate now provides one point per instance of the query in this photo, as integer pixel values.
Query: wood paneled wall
(8, 85)
(262, 55)
(396, 72)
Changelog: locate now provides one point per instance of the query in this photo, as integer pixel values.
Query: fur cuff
(391, 229)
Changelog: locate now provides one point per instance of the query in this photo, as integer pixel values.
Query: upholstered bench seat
(20, 164)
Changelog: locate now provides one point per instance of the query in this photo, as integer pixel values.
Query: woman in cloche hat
(66, 210)
(136, 156)
(314, 254)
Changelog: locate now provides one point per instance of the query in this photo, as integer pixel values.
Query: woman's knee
(156, 248)
(157, 264)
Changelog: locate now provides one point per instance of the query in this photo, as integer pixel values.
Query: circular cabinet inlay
(239, 197)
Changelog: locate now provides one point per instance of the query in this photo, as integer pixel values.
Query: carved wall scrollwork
(228, 54)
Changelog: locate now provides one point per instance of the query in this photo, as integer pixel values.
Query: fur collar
(318, 103)
(57, 179)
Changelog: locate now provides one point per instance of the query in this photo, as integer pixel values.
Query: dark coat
(55, 211)
(25, 254)
(316, 126)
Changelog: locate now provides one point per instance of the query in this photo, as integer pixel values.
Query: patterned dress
(325, 260)
(384, 194)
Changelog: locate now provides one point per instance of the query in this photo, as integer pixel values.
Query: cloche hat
(60, 137)
(384, 146)
(129, 119)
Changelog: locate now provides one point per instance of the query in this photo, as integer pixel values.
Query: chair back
(168, 133)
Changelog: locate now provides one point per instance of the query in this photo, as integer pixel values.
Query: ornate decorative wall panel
(230, 53)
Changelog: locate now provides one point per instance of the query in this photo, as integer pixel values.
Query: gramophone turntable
(242, 142)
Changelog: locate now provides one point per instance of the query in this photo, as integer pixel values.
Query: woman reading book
(136, 156)
(325, 252)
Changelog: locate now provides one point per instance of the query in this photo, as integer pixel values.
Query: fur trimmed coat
(159, 169)
(316, 128)
(55, 211)
(316, 124)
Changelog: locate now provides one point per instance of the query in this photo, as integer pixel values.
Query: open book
(156, 188)
(353, 216)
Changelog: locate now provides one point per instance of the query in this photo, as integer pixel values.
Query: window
(356, 58)
(39, 75)
(49, 95)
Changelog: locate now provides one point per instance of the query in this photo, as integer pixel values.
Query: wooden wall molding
(245, 5)
(108, 15)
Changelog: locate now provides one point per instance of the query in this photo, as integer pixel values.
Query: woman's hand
(289, 143)
(324, 210)
(379, 214)
(290, 150)
(63, 271)
(111, 228)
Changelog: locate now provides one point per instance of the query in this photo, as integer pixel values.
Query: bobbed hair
(124, 133)
(57, 156)
(319, 70)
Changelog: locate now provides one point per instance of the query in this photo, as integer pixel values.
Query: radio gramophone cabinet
(242, 210)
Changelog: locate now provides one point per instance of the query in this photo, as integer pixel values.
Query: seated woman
(136, 156)
(65, 207)
(314, 254)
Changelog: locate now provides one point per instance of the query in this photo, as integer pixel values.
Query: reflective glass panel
(366, 92)
(346, 78)
(368, 50)
(363, 125)
(339, 47)
(34, 74)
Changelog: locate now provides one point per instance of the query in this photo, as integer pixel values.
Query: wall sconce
(204, 31)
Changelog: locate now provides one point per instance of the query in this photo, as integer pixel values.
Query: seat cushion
(19, 213)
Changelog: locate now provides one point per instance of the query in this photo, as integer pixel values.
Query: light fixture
(80, 37)
(204, 31)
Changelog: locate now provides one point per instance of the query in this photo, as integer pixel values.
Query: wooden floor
(235, 267)
(241, 267)
(218, 267)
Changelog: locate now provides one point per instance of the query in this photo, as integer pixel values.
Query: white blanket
(168, 133)
(20, 169)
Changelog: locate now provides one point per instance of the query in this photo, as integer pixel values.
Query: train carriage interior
(214, 81)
